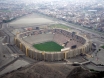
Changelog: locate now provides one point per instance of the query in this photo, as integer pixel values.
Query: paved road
(5, 56)
(97, 68)
(8, 51)
(100, 56)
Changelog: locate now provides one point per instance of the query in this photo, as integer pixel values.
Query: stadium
(52, 44)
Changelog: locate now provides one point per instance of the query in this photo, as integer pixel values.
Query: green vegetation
(92, 70)
(48, 46)
(5, 10)
(6, 21)
(92, 30)
(102, 46)
(59, 26)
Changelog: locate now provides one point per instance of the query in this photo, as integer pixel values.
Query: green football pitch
(60, 26)
(48, 46)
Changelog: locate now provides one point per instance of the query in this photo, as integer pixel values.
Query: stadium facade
(59, 36)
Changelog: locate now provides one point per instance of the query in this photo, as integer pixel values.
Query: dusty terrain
(41, 70)
(51, 70)
(29, 20)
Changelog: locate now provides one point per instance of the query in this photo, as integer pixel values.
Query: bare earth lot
(30, 20)
(41, 70)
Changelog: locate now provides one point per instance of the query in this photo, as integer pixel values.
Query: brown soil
(40, 70)
(50, 70)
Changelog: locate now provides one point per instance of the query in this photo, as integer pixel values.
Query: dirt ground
(41, 70)
(30, 19)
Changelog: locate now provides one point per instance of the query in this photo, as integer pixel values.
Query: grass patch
(102, 46)
(5, 10)
(59, 26)
(48, 46)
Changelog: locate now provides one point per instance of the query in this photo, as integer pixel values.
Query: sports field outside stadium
(60, 26)
(48, 46)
